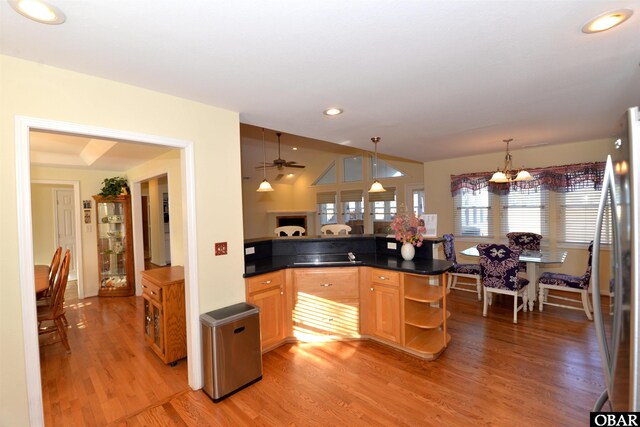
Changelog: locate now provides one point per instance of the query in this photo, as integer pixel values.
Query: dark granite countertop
(388, 262)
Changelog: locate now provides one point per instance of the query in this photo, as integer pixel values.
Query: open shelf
(426, 318)
(430, 341)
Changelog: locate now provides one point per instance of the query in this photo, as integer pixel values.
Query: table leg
(532, 289)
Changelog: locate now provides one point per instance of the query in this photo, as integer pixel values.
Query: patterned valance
(561, 179)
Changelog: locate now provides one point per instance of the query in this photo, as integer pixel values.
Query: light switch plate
(391, 245)
(249, 251)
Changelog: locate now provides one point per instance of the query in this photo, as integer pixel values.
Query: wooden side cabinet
(384, 305)
(164, 312)
(267, 291)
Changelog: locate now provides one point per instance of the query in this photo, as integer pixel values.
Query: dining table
(41, 273)
(533, 259)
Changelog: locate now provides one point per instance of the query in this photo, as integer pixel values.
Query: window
(383, 209)
(472, 213)
(577, 213)
(352, 169)
(329, 177)
(353, 210)
(417, 202)
(326, 202)
(525, 210)
(384, 170)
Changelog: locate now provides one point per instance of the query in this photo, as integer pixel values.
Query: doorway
(23, 126)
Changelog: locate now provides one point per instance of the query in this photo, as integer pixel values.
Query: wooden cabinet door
(385, 316)
(272, 321)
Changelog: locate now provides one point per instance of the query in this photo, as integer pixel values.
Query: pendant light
(507, 174)
(376, 187)
(264, 185)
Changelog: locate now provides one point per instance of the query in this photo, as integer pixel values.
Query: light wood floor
(545, 371)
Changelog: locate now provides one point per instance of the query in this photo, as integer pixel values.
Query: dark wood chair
(54, 311)
(53, 270)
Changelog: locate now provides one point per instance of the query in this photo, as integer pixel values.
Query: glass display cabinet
(115, 247)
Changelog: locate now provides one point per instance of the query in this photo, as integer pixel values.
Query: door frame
(23, 124)
(77, 217)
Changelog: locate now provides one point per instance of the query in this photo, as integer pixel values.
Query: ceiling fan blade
(289, 165)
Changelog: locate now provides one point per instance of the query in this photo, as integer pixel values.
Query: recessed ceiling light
(290, 175)
(332, 111)
(606, 21)
(294, 148)
(39, 11)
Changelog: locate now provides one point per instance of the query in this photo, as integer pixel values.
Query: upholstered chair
(567, 283)
(464, 271)
(525, 242)
(499, 272)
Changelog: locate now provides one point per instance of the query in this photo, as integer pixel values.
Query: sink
(325, 259)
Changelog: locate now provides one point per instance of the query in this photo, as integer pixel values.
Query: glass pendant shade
(523, 175)
(376, 187)
(499, 177)
(264, 186)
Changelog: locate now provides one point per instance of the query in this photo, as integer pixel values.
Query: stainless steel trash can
(231, 354)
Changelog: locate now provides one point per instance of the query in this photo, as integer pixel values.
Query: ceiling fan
(280, 163)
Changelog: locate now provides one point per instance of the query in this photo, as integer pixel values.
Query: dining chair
(53, 270)
(335, 229)
(465, 271)
(525, 242)
(289, 230)
(499, 272)
(54, 311)
(567, 283)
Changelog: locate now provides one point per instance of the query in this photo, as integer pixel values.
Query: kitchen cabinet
(115, 246)
(326, 303)
(384, 305)
(425, 315)
(267, 291)
(164, 312)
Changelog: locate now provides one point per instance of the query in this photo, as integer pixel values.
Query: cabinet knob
(371, 289)
(281, 291)
(153, 293)
(265, 282)
(326, 285)
(383, 278)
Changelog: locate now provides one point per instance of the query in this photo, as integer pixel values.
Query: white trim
(23, 125)
(78, 226)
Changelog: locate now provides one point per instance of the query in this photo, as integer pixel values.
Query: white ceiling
(434, 79)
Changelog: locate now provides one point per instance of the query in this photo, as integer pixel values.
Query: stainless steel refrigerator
(618, 329)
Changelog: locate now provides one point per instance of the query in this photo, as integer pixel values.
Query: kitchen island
(309, 289)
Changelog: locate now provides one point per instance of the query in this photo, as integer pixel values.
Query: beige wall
(300, 197)
(438, 200)
(43, 225)
(40, 91)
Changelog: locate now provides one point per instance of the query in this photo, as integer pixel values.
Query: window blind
(325, 197)
(525, 210)
(472, 214)
(385, 196)
(577, 214)
(351, 196)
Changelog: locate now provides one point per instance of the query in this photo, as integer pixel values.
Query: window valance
(561, 179)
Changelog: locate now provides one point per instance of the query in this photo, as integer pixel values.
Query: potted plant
(113, 187)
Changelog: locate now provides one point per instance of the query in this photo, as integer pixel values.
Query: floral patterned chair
(499, 272)
(466, 271)
(525, 242)
(567, 283)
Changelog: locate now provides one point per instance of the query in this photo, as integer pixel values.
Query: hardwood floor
(545, 371)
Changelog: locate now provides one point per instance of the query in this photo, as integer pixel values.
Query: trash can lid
(229, 313)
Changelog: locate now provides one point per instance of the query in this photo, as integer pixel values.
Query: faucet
(352, 257)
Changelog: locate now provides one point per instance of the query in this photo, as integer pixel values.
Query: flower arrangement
(408, 228)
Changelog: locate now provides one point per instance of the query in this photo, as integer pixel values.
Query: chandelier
(507, 174)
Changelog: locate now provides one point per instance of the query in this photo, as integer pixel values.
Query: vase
(408, 251)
